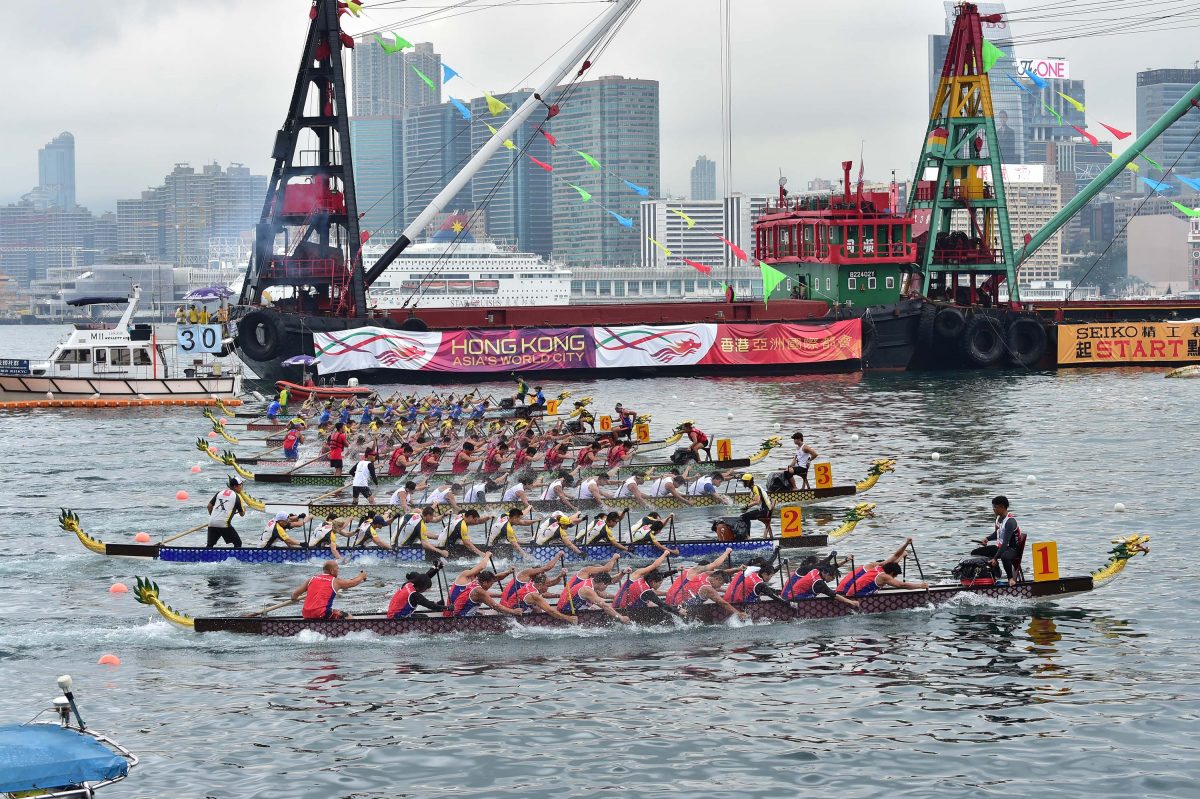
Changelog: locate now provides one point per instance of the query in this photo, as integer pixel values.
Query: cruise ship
(454, 269)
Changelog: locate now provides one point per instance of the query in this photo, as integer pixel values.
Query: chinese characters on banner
(1129, 342)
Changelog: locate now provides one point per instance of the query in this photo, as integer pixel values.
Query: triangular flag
(1020, 85)
(738, 252)
(492, 129)
(355, 8)
(1120, 134)
(1130, 167)
(392, 47)
(591, 161)
(508, 144)
(1185, 209)
(660, 246)
(691, 223)
(550, 138)
(448, 74)
(639, 189)
(462, 108)
(1078, 105)
(1195, 184)
(1091, 139)
(771, 277)
(1152, 162)
(1039, 82)
(542, 164)
(991, 54)
(428, 81)
(585, 195)
(494, 105)
(1057, 115)
(625, 221)
(1156, 185)
(698, 266)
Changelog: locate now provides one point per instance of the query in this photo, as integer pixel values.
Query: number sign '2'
(791, 521)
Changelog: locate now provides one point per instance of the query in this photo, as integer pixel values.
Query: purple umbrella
(299, 360)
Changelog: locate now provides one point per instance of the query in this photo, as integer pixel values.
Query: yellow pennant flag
(355, 8)
(660, 246)
(1078, 105)
(691, 223)
(493, 130)
(509, 144)
(494, 105)
(1131, 167)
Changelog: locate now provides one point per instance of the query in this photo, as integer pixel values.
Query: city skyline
(131, 131)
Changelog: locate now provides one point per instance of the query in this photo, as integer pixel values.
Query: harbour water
(1087, 696)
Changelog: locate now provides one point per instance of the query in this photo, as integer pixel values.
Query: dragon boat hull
(769, 612)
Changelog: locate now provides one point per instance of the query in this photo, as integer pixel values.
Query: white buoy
(95, 395)
(674, 396)
(1031, 479)
(778, 425)
(937, 456)
(49, 395)
(729, 416)
(854, 436)
(1119, 507)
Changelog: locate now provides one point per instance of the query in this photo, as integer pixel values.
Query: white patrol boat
(126, 361)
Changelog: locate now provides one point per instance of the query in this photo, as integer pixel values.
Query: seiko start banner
(532, 349)
(1129, 342)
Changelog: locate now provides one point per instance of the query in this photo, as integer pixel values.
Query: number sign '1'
(1045, 561)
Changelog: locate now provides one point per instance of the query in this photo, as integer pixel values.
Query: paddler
(752, 583)
(811, 579)
(555, 490)
(406, 495)
(648, 529)
(416, 529)
(221, 508)
(274, 409)
(700, 582)
(373, 531)
(607, 530)
(508, 533)
(328, 532)
(292, 440)
(464, 458)
(410, 596)
(870, 578)
(586, 589)
(458, 536)
(528, 589)
(760, 506)
(805, 455)
(708, 486)
(558, 526)
(322, 590)
(618, 453)
(277, 530)
(337, 446)
(640, 588)
(470, 590)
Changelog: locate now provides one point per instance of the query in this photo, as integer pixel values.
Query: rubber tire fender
(925, 327)
(949, 324)
(983, 340)
(272, 331)
(870, 337)
(414, 324)
(1026, 340)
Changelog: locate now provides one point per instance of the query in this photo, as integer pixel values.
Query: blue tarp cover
(48, 756)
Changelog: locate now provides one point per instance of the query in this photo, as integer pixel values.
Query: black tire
(925, 328)
(268, 327)
(414, 324)
(870, 337)
(983, 340)
(1026, 339)
(949, 324)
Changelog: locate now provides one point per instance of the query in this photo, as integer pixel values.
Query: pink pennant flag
(1120, 134)
(542, 164)
(737, 251)
(1092, 139)
(550, 138)
(698, 266)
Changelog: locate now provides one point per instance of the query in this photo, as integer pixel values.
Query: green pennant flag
(1057, 115)
(426, 78)
(583, 194)
(591, 161)
(991, 54)
(1152, 162)
(771, 277)
(1187, 211)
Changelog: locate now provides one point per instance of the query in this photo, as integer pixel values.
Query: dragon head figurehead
(146, 592)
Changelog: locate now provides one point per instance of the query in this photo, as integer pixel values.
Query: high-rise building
(704, 179)
(386, 84)
(56, 173)
(436, 144)
(1157, 91)
(732, 218)
(616, 121)
(1030, 206)
(1043, 127)
(378, 148)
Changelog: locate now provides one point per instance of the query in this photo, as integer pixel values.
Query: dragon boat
(327, 479)
(888, 600)
(802, 498)
(688, 547)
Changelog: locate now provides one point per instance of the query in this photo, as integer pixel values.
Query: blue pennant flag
(626, 222)
(462, 108)
(1195, 184)
(447, 74)
(1156, 185)
(639, 189)
(1020, 85)
(1041, 83)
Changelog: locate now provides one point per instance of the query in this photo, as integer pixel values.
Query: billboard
(1128, 342)
(1046, 68)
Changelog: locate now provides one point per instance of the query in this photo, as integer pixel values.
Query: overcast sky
(145, 84)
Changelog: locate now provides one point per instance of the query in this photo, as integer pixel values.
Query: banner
(786, 343)
(647, 345)
(1129, 342)
(1050, 68)
(373, 348)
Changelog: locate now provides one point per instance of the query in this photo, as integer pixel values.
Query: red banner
(784, 343)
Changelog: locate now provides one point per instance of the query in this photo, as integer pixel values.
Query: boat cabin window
(141, 358)
(118, 357)
(75, 356)
(872, 282)
(889, 282)
(101, 356)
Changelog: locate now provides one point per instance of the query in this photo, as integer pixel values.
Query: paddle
(169, 539)
(570, 597)
(276, 606)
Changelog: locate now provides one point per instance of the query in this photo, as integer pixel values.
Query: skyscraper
(385, 84)
(436, 143)
(1042, 126)
(377, 144)
(616, 121)
(56, 173)
(704, 179)
(1157, 91)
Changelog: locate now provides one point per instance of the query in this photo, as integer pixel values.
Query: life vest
(553, 459)
(459, 603)
(629, 595)
(491, 463)
(394, 463)
(459, 533)
(570, 601)
(860, 583)
(616, 455)
(549, 492)
(698, 437)
(289, 441)
(460, 463)
(799, 586)
(684, 590)
(412, 530)
(741, 588)
(337, 443)
(429, 463)
(586, 457)
(401, 604)
(318, 601)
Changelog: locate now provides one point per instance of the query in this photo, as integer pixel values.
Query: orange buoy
(109, 659)
(212, 450)
(212, 433)
(144, 538)
(180, 495)
(224, 421)
(118, 588)
(196, 469)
